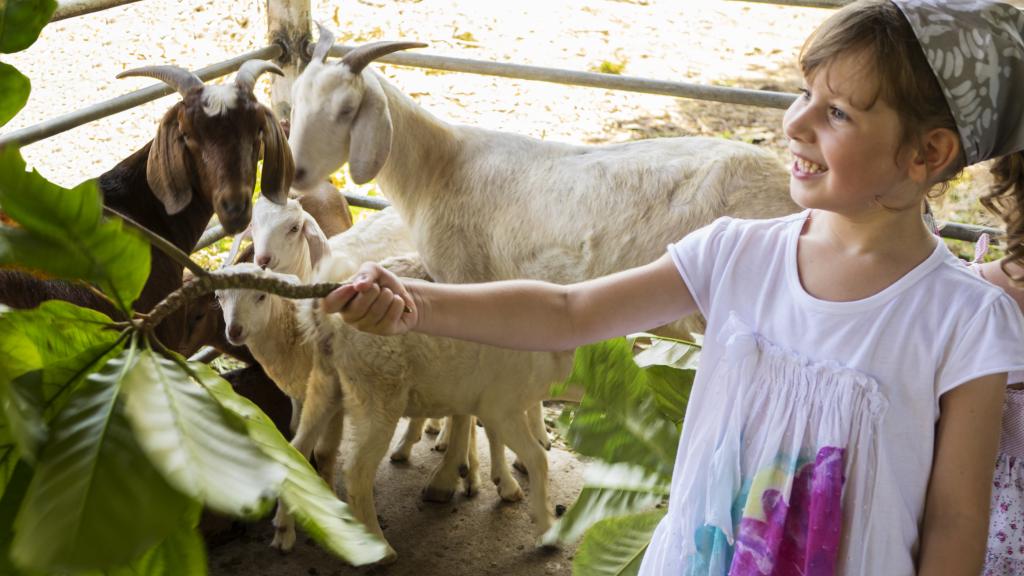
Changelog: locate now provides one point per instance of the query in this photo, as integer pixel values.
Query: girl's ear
(939, 152)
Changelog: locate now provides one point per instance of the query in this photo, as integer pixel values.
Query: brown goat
(202, 159)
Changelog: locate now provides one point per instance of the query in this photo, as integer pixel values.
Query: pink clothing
(1005, 555)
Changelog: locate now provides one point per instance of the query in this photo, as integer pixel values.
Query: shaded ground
(480, 535)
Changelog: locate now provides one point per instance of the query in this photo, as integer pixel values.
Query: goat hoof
(510, 492)
(545, 444)
(472, 488)
(284, 541)
(441, 495)
(518, 465)
(440, 446)
(432, 430)
(399, 457)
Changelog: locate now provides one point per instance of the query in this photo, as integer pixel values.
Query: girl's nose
(796, 124)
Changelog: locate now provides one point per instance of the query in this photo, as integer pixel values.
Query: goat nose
(234, 331)
(234, 208)
(263, 261)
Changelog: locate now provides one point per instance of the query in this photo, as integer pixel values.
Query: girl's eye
(837, 114)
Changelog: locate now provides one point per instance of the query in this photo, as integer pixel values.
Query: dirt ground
(479, 535)
(717, 42)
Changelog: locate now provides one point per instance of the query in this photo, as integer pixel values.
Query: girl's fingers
(393, 318)
(379, 309)
(337, 299)
(357, 308)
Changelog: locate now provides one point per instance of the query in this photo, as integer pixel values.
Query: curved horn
(174, 76)
(357, 59)
(323, 43)
(251, 70)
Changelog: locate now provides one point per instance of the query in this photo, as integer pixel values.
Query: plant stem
(232, 280)
(160, 243)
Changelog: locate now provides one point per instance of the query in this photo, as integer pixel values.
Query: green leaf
(21, 22)
(44, 353)
(11, 499)
(64, 235)
(14, 89)
(95, 501)
(316, 508)
(616, 546)
(201, 449)
(618, 419)
(609, 490)
(181, 553)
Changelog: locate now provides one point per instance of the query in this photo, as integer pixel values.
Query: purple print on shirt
(800, 538)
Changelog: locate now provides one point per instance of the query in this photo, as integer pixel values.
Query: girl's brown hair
(878, 31)
(1005, 198)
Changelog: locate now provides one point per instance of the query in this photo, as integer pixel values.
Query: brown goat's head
(208, 144)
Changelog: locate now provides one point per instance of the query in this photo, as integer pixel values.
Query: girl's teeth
(808, 167)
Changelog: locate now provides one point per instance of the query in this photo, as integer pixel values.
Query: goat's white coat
(486, 205)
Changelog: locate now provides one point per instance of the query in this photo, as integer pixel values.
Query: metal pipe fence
(54, 126)
(73, 8)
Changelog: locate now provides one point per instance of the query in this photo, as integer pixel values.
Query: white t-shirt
(809, 433)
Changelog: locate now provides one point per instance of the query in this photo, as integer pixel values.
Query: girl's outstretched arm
(994, 273)
(522, 314)
(953, 536)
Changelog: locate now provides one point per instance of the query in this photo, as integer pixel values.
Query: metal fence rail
(54, 126)
(73, 8)
(742, 96)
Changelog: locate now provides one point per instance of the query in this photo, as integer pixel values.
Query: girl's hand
(376, 302)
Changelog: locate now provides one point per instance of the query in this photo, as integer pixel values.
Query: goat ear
(371, 133)
(236, 244)
(315, 239)
(166, 169)
(278, 166)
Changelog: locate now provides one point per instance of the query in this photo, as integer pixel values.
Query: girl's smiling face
(845, 139)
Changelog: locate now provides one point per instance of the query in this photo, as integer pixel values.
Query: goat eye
(261, 297)
(293, 229)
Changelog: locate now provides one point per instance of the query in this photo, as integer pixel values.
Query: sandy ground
(709, 42)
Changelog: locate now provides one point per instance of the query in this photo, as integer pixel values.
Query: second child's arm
(522, 314)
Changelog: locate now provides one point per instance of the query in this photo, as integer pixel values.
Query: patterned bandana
(976, 51)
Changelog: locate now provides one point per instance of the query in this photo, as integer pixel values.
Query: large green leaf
(21, 21)
(616, 546)
(180, 554)
(44, 353)
(313, 503)
(13, 493)
(201, 449)
(609, 490)
(14, 89)
(618, 419)
(95, 501)
(64, 235)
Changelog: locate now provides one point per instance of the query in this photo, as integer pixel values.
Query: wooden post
(288, 25)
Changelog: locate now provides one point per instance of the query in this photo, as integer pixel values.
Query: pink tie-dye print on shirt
(800, 538)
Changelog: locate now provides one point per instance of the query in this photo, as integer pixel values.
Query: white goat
(268, 325)
(385, 378)
(287, 239)
(486, 205)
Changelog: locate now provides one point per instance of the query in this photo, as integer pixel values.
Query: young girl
(1005, 555)
(846, 412)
